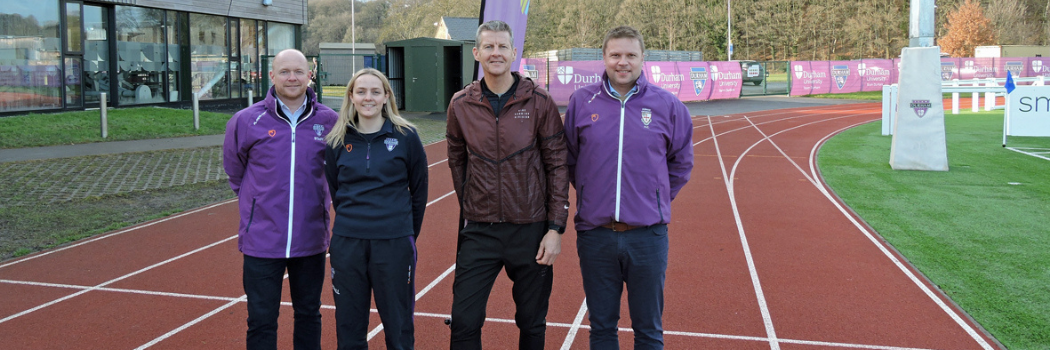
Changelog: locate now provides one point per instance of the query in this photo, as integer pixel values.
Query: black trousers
(384, 267)
(485, 249)
(263, 280)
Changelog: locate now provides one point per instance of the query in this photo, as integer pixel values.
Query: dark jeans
(608, 260)
(385, 267)
(263, 280)
(484, 250)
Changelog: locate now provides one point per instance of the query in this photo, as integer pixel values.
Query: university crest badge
(841, 74)
(1015, 67)
(699, 77)
(647, 116)
(920, 107)
(947, 70)
(319, 129)
(390, 143)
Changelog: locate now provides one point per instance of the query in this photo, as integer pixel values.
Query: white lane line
(104, 236)
(438, 162)
(53, 302)
(900, 265)
(575, 326)
(191, 323)
(421, 293)
(763, 123)
(440, 198)
(771, 333)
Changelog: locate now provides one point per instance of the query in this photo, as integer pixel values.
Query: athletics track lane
(175, 284)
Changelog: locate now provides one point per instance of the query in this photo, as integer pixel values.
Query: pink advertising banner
(535, 69)
(665, 75)
(1015, 65)
(876, 73)
(810, 78)
(568, 76)
(1038, 66)
(845, 76)
(726, 80)
(699, 84)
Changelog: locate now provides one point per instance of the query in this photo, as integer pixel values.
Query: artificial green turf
(979, 231)
(33, 130)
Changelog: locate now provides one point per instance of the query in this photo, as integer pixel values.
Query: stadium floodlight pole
(729, 32)
(920, 25)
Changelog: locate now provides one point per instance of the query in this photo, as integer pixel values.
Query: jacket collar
(524, 91)
(275, 110)
(642, 83)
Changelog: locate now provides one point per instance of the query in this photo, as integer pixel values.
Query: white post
(1006, 120)
(196, 112)
(886, 105)
(989, 97)
(975, 99)
(729, 30)
(251, 99)
(955, 97)
(102, 109)
(1040, 81)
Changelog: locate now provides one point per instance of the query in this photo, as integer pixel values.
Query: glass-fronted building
(63, 54)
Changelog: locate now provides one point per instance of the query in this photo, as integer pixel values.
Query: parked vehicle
(754, 72)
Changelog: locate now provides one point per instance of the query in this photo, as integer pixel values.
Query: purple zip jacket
(264, 154)
(627, 160)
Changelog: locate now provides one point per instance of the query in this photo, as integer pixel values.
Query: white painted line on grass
(929, 293)
(104, 236)
(1033, 154)
(20, 314)
(575, 326)
(771, 333)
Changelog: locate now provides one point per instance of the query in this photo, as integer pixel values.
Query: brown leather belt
(619, 226)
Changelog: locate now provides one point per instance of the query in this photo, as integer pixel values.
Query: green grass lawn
(979, 231)
(33, 130)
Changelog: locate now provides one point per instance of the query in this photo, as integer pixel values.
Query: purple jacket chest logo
(920, 107)
(647, 116)
(319, 129)
(390, 144)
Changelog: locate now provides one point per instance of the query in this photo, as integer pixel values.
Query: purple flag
(516, 14)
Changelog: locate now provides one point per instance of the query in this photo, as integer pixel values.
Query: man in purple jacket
(630, 152)
(274, 155)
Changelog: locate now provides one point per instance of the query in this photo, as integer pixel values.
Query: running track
(763, 256)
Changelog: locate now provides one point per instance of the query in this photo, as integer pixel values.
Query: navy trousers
(484, 250)
(263, 280)
(385, 267)
(637, 258)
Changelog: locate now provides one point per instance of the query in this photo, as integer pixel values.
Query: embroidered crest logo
(272, 132)
(920, 107)
(947, 70)
(390, 144)
(699, 77)
(594, 117)
(841, 74)
(319, 129)
(647, 116)
(349, 148)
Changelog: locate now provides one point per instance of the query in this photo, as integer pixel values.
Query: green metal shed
(425, 72)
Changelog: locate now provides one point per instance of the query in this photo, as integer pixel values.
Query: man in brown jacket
(506, 148)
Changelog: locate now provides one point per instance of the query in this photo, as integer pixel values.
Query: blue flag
(1009, 83)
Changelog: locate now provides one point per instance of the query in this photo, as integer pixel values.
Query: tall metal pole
(729, 32)
(920, 23)
(353, 39)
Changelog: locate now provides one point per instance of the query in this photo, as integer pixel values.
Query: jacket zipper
(619, 156)
(291, 183)
(499, 168)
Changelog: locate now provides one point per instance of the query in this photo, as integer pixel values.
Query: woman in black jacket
(377, 174)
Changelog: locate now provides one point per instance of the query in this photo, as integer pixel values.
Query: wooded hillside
(761, 29)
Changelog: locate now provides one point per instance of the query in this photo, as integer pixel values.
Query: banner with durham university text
(875, 73)
(516, 14)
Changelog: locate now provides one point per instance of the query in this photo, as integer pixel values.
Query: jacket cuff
(555, 227)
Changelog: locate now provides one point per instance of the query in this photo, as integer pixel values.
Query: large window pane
(96, 55)
(141, 54)
(235, 60)
(30, 57)
(173, 55)
(250, 56)
(209, 58)
(73, 40)
(282, 36)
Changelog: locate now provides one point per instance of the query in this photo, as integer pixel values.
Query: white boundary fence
(990, 87)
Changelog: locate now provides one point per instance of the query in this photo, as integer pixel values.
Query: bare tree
(1008, 17)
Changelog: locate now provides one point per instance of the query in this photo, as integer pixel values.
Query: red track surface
(762, 257)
